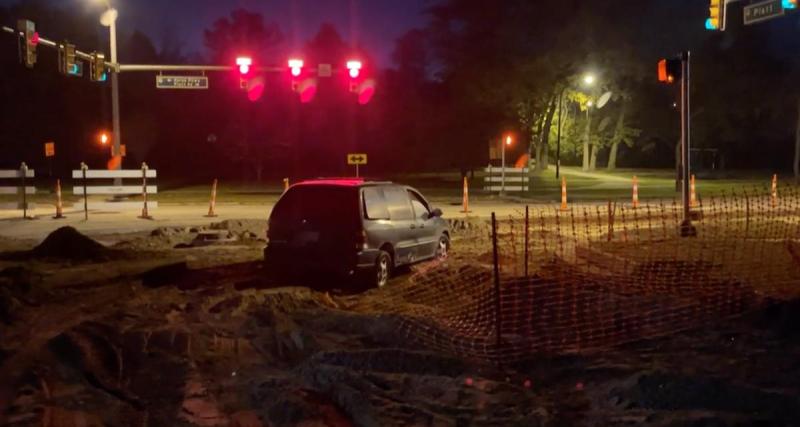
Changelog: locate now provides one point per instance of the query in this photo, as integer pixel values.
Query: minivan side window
(397, 201)
(375, 204)
(420, 208)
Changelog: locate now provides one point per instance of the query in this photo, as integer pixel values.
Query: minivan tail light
(361, 240)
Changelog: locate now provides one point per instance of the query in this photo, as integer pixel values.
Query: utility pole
(687, 229)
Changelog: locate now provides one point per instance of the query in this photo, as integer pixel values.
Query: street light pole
(502, 167)
(109, 19)
(686, 229)
(558, 134)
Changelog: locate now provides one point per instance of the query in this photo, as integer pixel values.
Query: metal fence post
(527, 219)
(23, 172)
(84, 167)
(497, 314)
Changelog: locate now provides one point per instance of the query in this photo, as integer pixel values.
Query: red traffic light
(354, 68)
(296, 66)
(244, 64)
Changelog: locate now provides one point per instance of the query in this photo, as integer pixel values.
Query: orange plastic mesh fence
(599, 276)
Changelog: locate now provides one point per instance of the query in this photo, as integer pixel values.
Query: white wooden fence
(16, 174)
(89, 184)
(15, 186)
(516, 179)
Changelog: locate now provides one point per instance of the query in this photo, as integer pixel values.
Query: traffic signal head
(354, 68)
(67, 62)
(30, 41)
(244, 63)
(296, 67)
(98, 67)
(669, 70)
(716, 15)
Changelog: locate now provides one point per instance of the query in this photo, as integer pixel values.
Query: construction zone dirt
(580, 324)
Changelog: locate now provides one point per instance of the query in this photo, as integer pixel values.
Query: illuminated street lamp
(588, 80)
(503, 144)
(103, 138)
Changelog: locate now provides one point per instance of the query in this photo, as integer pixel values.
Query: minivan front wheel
(383, 269)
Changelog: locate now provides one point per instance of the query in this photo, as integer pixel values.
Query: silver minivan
(356, 228)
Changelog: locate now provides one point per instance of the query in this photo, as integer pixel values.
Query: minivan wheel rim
(442, 252)
(383, 271)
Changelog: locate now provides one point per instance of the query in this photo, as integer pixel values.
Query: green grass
(600, 185)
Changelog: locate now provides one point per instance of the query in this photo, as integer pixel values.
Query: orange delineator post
(563, 193)
(59, 205)
(213, 203)
(774, 192)
(692, 193)
(635, 192)
(285, 184)
(465, 197)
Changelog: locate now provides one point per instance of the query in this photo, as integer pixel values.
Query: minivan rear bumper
(282, 257)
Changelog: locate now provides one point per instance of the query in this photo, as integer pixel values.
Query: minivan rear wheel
(383, 269)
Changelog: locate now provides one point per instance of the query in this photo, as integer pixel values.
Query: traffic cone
(774, 192)
(563, 193)
(213, 203)
(285, 184)
(465, 197)
(635, 192)
(692, 193)
(59, 205)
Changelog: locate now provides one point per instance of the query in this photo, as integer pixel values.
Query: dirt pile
(69, 243)
(243, 228)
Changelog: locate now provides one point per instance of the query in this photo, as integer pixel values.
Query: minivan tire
(383, 269)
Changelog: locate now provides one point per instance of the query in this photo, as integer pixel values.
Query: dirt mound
(69, 243)
(243, 228)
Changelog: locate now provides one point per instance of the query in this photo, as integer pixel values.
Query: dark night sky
(374, 24)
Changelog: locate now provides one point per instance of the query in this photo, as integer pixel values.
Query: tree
(251, 130)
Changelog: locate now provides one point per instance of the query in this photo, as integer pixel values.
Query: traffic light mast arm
(55, 45)
(152, 67)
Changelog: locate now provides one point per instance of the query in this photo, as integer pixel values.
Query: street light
(109, 19)
(503, 164)
(588, 80)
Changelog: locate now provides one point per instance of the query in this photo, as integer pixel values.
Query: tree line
(472, 74)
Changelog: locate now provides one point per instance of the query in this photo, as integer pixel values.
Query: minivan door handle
(413, 226)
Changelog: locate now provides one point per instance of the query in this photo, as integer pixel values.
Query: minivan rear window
(323, 206)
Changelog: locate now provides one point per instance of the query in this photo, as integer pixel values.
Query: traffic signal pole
(686, 228)
(115, 99)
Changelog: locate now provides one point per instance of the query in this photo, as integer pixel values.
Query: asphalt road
(109, 221)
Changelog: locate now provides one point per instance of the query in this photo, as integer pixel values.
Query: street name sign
(356, 159)
(181, 82)
(762, 11)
